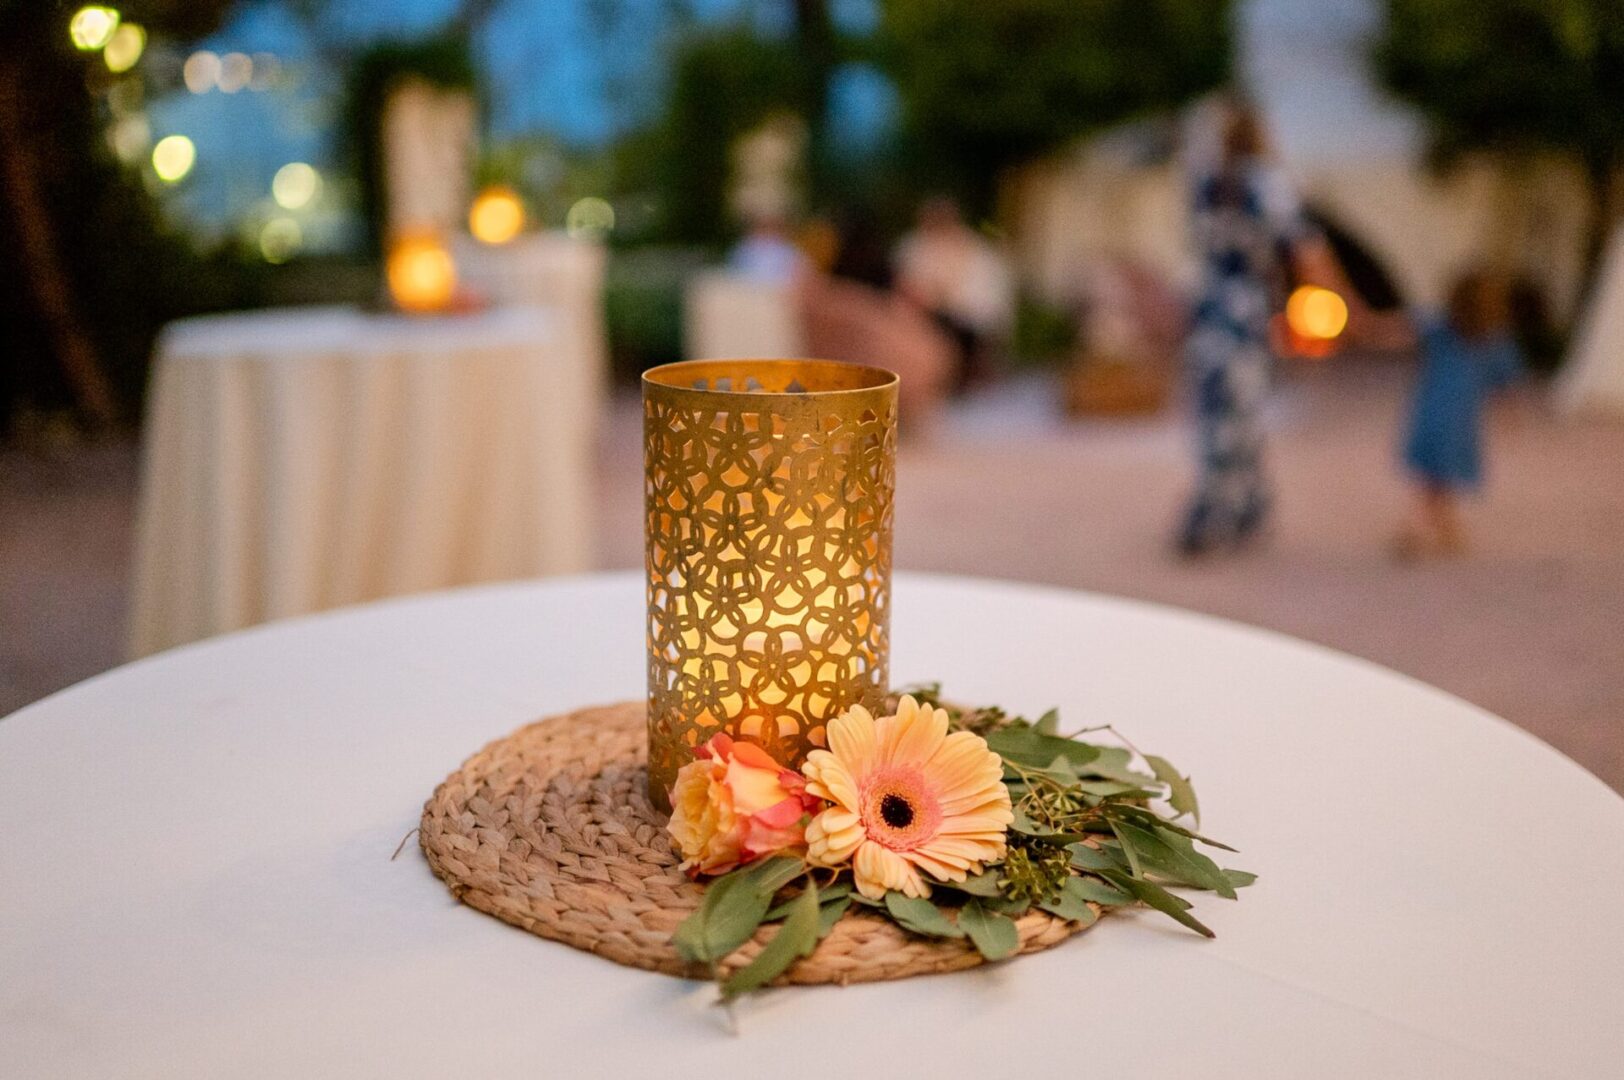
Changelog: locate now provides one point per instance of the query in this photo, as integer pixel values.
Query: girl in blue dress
(1464, 358)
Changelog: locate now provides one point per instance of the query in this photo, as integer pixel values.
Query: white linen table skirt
(302, 459)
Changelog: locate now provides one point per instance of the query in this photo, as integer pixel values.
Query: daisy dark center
(896, 811)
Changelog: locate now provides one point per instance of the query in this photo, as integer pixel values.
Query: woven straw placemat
(550, 829)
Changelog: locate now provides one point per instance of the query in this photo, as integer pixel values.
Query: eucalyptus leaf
(1135, 863)
(1006, 905)
(1060, 771)
(1240, 879)
(825, 895)
(1154, 896)
(771, 874)
(1147, 819)
(1024, 825)
(1170, 856)
(920, 916)
(1086, 857)
(1106, 789)
(796, 938)
(1100, 892)
(1072, 903)
(1180, 795)
(829, 913)
(735, 904)
(993, 935)
(1048, 723)
(732, 909)
(1114, 763)
(1032, 749)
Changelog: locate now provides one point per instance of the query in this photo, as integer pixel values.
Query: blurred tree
(723, 83)
(987, 85)
(89, 273)
(818, 48)
(1517, 75)
(443, 60)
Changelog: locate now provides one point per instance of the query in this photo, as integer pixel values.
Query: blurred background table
(305, 458)
(196, 851)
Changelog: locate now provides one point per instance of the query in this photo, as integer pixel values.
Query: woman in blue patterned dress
(1246, 222)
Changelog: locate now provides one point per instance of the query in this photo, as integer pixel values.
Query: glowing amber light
(1317, 313)
(497, 216)
(92, 27)
(422, 276)
(173, 157)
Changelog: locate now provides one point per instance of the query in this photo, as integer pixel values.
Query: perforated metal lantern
(768, 528)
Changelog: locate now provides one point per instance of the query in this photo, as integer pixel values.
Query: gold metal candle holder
(768, 526)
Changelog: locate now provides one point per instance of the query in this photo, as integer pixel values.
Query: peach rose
(733, 804)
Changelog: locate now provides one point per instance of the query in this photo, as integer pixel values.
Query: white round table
(299, 459)
(195, 874)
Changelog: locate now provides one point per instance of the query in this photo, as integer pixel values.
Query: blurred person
(961, 280)
(767, 254)
(1466, 355)
(852, 314)
(861, 252)
(1249, 229)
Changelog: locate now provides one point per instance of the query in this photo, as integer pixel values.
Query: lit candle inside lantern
(768, 503)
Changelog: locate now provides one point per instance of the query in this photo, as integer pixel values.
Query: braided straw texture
(550, 829)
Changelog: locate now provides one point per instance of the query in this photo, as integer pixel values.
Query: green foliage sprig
(1088, 832)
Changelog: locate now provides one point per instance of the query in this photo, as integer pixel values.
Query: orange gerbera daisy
(908, 797)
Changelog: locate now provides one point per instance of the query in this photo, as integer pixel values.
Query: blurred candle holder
(421, 274)
(768, 489)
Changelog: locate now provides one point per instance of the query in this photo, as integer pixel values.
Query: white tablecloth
(551, 270)
(302, 459)
(195, 877)
(727, 315)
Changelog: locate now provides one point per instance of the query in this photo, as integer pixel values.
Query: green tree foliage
(988, 85)
(442, 61)
(1515, 75)
(723, 84)
(89, 273)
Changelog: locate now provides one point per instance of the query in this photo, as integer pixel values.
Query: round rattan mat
(550, 829)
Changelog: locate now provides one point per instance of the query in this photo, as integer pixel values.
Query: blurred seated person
(767, 254)
(1129, 335)
(850, 314)
(861, 253)
(961, 280)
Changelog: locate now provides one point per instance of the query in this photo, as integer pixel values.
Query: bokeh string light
(92, 27)
(201, 71)
(589, 218)
(124, 48)
(280, 239)
(173, 158)
(295, 185)
(236, 70)
(496, 216)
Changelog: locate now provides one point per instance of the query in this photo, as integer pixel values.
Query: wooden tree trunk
(41, 264)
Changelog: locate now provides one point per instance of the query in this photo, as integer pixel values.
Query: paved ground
(1530, 625)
